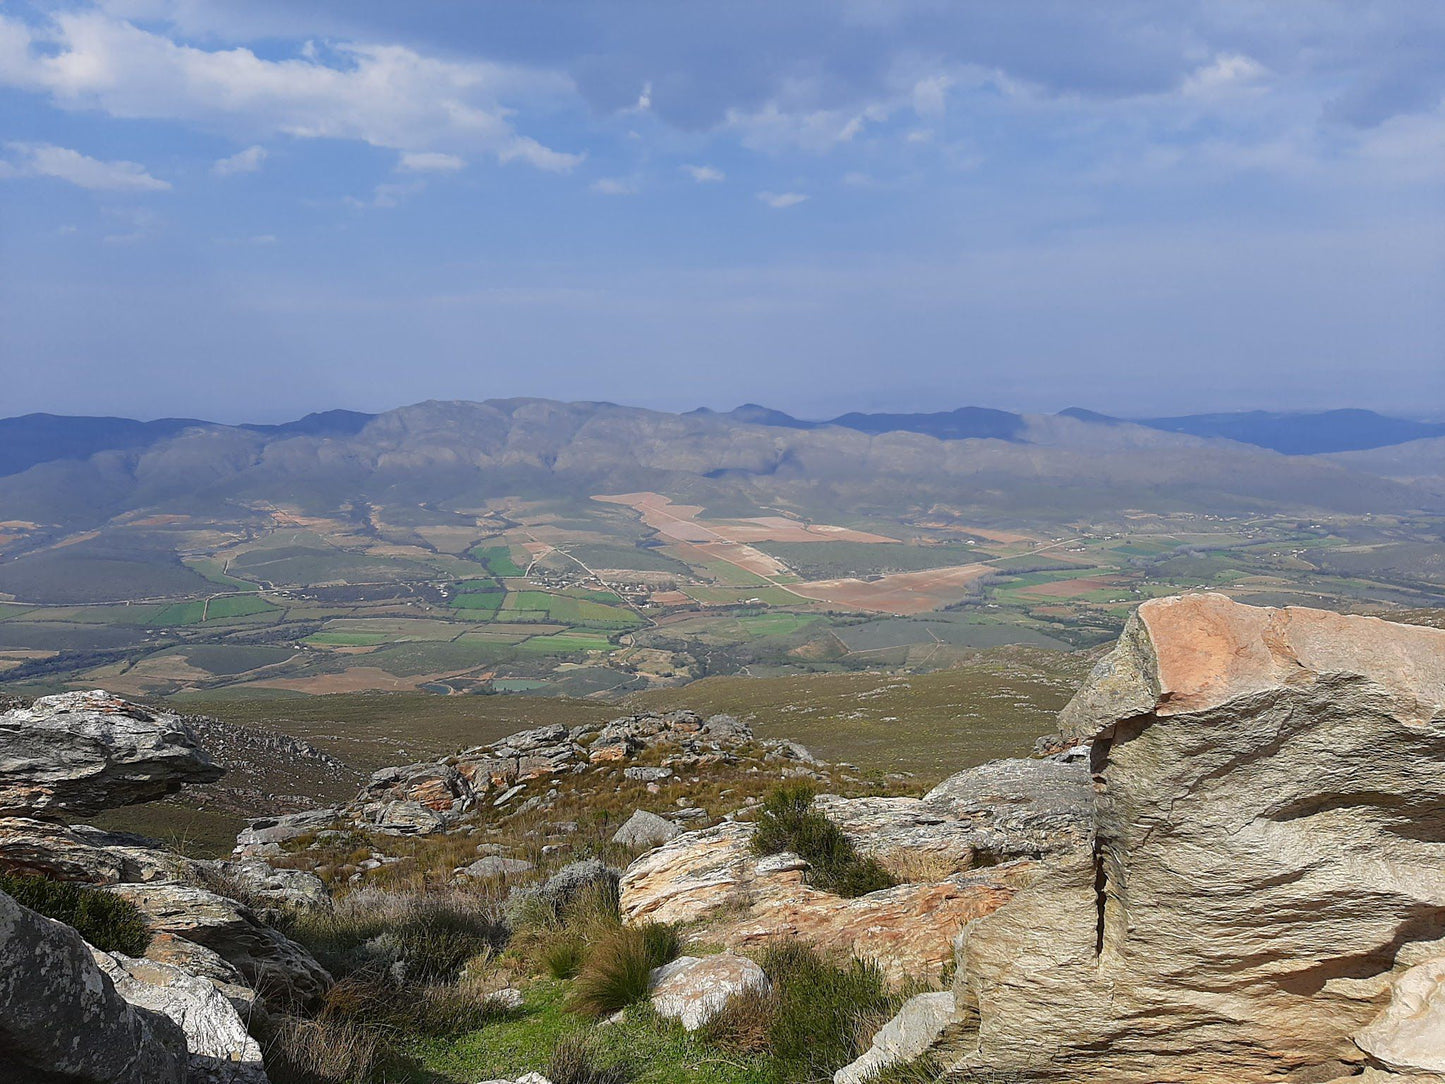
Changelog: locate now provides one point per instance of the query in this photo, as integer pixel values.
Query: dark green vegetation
(787, 821)
(616, 969)
(108, 922)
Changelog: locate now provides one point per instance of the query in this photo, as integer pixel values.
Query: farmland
(631, 594)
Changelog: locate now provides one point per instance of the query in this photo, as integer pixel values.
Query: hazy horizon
(255, 212)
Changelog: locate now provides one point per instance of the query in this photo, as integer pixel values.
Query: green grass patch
(215, 571)
(568, 610)
(346, 639)
(499, 560)
(221, 609)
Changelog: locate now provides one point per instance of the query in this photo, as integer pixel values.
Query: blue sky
(250, 211)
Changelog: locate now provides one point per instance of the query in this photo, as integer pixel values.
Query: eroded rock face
(220, 1049)
(713, 876)
(1409, 1034)
(61, 1018)
(907, 1036)
(1268, 856)
(80, 753)
(83, 853)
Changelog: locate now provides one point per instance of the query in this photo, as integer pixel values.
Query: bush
(817, 1016)
(819, 1004)
(574, 1061)
(787, 821)
(108, 922)
(618, 969)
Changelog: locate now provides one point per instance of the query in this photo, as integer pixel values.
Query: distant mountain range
(1303, 433)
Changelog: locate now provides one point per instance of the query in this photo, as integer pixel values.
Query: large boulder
(61, 1020)
(279, 969)
(1409, 1034)
(1266, 860)
(80, 753)
(220, 1049)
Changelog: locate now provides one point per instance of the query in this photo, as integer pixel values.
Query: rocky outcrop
(220, 1049)
(1266, 864)
(278, 968)
(693, 990)
(61, 1019)
(80, 753)
(713, 876)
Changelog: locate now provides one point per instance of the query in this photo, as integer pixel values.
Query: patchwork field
(615, 595)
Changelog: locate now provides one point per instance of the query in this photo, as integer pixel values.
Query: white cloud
(704, 174)
(1227, 73)
(62, 163)
(387, 195)
(385, 95)
(615, 186)
(429, 162)
(247, 161)
(780, 200)
(930, 96)
(774, 128)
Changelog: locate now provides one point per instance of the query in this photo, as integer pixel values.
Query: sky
(251, 211)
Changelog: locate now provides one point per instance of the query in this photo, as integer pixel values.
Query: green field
(498, 560)
(570, 611)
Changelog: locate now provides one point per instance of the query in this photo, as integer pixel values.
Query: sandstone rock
(907, 1036)
(644, 829)
(712, 876)
(82, 853)
(1409, 1034)
(221, 1050)
(270, 962)
(1266, 860)
(167, 948)
(692, 991)
(85, 752)
(1001, 810)
(405, 818)
(61, 1018)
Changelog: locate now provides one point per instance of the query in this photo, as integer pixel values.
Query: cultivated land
(526, 547)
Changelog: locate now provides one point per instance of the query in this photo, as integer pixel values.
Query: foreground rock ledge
(1269, 858)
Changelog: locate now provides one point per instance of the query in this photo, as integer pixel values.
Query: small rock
(497, 866)
(907, 1036)
(644, 829)
(693, 991)
(648, 774)
(508, 794)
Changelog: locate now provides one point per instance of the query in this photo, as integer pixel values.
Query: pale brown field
(900, 593)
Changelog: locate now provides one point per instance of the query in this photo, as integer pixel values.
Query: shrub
(744, 1024)
(108, 922)
(618, 969)
(787, 821)
(574, 1061)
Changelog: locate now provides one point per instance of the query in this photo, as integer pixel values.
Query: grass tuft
(788, 821)
(618, 968)
(575, 1061)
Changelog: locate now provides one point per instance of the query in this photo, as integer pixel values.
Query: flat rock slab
(80, 753)
(694, 990)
